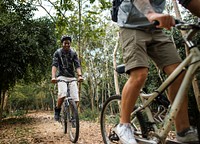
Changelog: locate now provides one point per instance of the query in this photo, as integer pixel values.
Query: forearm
(79, 71)
(143, 6)
(53, 72)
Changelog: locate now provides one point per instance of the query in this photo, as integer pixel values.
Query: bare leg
(59, 103)
(182, 119)
(194, 6)
(131, 92)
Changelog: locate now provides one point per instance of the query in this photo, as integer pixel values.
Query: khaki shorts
(139, 45)
(62, 88)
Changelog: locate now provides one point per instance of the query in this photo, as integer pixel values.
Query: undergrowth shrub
(89, 115)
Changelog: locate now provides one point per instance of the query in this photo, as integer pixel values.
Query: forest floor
(40, 127)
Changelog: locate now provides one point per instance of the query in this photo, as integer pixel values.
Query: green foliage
(89, 115)
(29, 97)
(105, 4)
(26, 44)
(153, 80)
(18, 113)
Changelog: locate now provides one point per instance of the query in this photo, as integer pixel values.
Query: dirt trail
(41, 128)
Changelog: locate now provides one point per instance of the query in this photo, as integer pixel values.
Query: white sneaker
(125, 133)
(188, 136)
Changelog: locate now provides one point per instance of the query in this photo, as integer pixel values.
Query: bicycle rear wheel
(110, 117)
(73, 122)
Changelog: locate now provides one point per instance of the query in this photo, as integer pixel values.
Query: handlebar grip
(177, 21)
(156, 23)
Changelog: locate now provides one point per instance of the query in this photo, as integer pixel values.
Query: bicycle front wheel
(63, 118)
(73, 122)
(110, 117)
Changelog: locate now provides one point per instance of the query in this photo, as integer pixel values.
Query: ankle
(57, 109)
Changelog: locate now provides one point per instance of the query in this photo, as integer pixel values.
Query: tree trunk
(79, 48)
(91, 94)
(5, 100)
(54, 95)
(1, 110)
(2, 94)
(115, 66)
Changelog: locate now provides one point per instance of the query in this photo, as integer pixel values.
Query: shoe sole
(168, 141)
(118, 136)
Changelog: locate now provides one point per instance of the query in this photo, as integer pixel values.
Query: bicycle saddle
(120, 69)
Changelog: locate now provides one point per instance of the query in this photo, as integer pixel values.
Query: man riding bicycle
(139, 42)
(65, 61)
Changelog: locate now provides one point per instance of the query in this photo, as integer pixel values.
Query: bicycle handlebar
(182, 25)
(191, 28)
(66, 81)
(177, 21)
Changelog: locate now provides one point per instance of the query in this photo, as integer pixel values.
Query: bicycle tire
(110, 117)
(73, 122)
(198, 125)
(63, 118)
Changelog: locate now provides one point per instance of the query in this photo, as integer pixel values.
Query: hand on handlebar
(54, 80)
(80, 79)
(164, 20)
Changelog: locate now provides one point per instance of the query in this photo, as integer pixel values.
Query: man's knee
(139, 75)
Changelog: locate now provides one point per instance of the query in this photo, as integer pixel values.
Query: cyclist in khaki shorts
(140, 41)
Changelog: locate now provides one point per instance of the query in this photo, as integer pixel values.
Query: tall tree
(26, 45)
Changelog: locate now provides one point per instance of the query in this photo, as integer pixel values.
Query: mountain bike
(153, 116)
(69, 115)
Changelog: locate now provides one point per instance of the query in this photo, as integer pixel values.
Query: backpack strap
(72, 54)
(114, 9)
(60, 55)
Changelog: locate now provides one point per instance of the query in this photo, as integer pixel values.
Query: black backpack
(115, 8)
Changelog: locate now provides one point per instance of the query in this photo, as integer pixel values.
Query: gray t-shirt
(130, 17)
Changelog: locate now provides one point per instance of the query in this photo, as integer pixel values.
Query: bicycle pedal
(114, 137)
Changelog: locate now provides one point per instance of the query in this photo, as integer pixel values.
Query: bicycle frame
(190, 64)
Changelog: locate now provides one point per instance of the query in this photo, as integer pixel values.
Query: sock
(182, 133)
